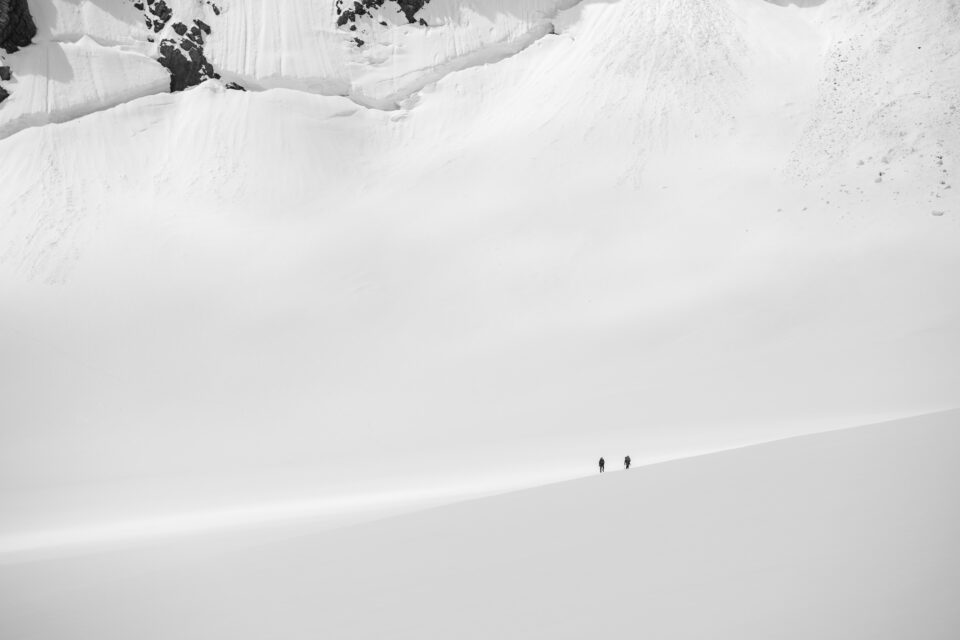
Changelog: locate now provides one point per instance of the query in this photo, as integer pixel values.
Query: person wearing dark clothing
(626, 462)
(601, 465)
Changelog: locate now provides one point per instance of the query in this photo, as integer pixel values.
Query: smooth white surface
(658, 231)
(848, 534)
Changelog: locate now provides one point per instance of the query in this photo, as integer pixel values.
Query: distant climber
(601, 465)
(626, 462)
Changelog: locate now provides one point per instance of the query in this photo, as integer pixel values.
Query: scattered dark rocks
(361, 8)
(161, 12)
(17, 28)
(181, 52)
(234, 86)
(185, 59)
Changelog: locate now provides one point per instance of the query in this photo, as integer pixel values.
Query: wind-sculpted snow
(298, 44)
(302, 46)
(58, 81)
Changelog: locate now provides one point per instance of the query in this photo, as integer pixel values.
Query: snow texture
(60, 81)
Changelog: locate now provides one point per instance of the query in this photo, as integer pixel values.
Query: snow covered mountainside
(307, 250)
(848, 534)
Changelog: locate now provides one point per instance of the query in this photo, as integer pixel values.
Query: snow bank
(849, 534)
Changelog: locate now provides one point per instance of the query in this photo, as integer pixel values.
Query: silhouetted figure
(601, 465)
(626, 462)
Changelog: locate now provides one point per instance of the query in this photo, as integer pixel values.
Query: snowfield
(415, 263)
(848, 534)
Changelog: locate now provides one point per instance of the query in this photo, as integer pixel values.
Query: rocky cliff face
(16, 25)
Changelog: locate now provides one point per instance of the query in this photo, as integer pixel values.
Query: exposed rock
(186, 62)
(360, 8)
(17, 28)
(5, 73)
(3, 94)
(181, 52)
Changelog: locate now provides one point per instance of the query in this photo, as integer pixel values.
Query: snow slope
(661, 226)
(848, 534)
(57, 82)
(297, 44)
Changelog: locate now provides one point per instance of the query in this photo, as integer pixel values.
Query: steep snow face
(843, 535)
(520, 233)
(56, 82)
(378, 58)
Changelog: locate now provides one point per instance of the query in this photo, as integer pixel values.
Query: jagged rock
(3, 94)
(181, 52)
(5, 73)
(234, 86)
(409, 8)
(187, 64)
(163, 13)
(17, 28)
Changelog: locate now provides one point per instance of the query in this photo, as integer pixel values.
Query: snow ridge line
(489, 55)
(395, 101)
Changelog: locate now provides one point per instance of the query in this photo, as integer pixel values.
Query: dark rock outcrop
(17, 28)
(181, 52)
(156, 14)
(361, 8)
(184, 56)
